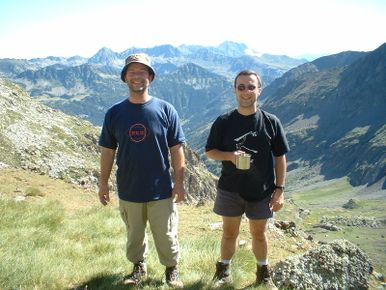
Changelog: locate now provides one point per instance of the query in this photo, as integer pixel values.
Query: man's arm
(277, 200)
(219, 155)
(178, 163)
(106, 165)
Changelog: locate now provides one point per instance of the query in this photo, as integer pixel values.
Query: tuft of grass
(33, 191)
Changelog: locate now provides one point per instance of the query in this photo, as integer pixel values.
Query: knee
(259, 236)
(230, 235)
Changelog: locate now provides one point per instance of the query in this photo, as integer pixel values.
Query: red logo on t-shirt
(137, 133)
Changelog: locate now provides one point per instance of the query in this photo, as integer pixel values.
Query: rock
(351, 204)
(19, 198)
(337, 265)
(357, 221)
(327, 226)
(215, 226)
(285, 225)
(303, 212)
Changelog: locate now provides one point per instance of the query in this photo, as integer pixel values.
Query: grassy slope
(327, 200)
(61, 238)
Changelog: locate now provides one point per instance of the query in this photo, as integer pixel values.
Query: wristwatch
(279, 187)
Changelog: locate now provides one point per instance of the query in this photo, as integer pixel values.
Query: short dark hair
(248, 72)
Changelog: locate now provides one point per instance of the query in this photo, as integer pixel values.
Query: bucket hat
(138, 58)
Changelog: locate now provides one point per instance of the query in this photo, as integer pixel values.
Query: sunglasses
(243, 87)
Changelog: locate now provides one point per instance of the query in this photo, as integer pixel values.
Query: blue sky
(40, 28)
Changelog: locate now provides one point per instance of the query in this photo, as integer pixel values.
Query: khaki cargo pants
(162, 216)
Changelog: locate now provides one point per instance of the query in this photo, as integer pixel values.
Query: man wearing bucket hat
(251, 145)
(141, 131)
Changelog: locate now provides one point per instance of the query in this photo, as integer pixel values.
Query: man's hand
(178, 193)
(277, 200)
(104, 195)
(107, 161)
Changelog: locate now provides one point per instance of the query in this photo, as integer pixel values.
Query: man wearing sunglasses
(255, 189)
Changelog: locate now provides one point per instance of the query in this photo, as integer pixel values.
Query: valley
(51, 110)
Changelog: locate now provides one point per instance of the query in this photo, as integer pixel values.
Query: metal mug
(243, 161)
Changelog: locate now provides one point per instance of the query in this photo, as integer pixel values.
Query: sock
(262, 262)
(226, 262)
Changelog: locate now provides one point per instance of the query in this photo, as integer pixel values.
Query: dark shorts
(231, 204)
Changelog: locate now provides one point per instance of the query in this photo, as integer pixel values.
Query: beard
(137, 87)
(140, 89)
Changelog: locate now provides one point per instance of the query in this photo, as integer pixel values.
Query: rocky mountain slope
(41, 139)
(36, 137)
(334, 112)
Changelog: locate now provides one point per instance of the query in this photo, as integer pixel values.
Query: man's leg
(135, 218)
(163, 219)
(231, 227)
(260, 250)
(259, 239)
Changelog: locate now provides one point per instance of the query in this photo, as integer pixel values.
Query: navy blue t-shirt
(261, 135)
(143, 134)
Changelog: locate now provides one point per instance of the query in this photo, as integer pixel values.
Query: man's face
(247, 91)
(137, 77)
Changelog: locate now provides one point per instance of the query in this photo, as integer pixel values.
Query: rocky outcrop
(200, 184)
(338, 265)
(351, 204)
(358, 221)
(38, 138)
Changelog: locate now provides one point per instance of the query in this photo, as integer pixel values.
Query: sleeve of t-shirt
(279, 143)
(175, 133)
(107, 138)
(214, 138)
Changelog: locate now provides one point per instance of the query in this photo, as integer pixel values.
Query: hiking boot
(263, 277)
(139, 274)
(173, 278)
(222, 275)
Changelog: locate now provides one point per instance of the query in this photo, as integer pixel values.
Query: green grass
(332, 195)
(43, 247)
(59, 237)
(328, 201)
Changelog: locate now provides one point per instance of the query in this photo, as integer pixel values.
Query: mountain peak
(105, 56)
(232, 48)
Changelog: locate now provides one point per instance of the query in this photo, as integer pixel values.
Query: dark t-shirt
(143, 134)
(260, 135)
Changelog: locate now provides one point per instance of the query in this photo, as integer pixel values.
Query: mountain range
(332, 108)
